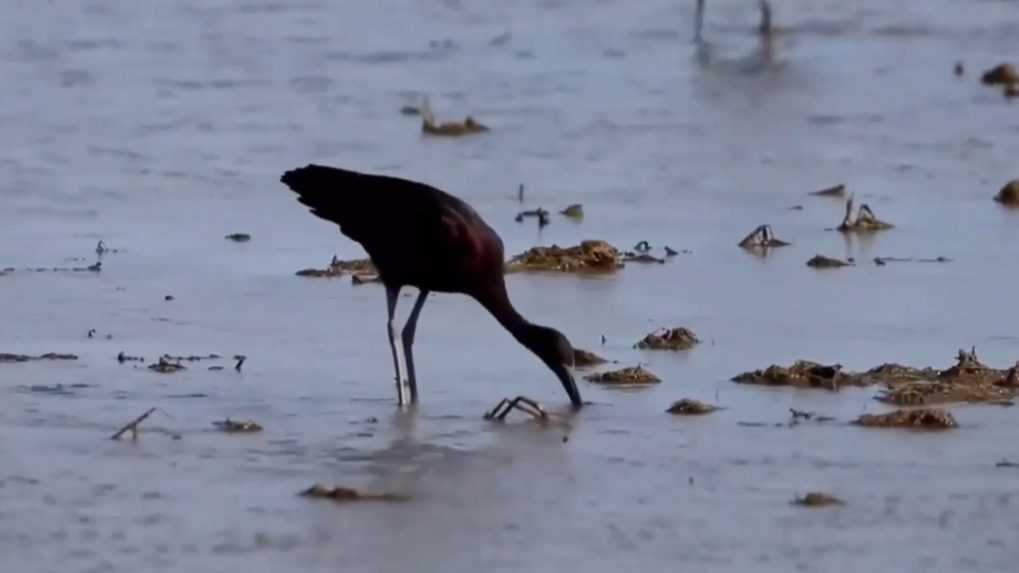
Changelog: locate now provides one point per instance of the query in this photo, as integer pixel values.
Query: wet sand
(162, 130)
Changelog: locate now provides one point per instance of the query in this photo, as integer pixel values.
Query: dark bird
(420, 236)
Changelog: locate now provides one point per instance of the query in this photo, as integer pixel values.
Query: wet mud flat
(694, 152)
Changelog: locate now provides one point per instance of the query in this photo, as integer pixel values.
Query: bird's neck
(497, 301)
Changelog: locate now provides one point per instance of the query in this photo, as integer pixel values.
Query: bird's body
(420, 236)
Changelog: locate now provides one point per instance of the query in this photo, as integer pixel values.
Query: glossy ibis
(420, 236)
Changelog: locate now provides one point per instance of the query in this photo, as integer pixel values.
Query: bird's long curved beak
(565, 375)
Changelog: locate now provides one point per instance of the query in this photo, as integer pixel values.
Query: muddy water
(160, 129)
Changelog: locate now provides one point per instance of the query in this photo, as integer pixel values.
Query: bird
(423, 237)
(764, 28)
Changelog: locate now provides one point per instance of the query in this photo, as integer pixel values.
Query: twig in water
(133, 425)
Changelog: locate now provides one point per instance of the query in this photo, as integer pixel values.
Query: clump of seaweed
(234, 427)
(7, 357)
(588, 256)
(803, 373)
(1002, 74)
(818, 499)
(430, 126)
(864, 222)
(574, 211)
(633, 375)
(922, 418)
(689, 407)
(338, 268)
(346, 494)
(679, 338)
(1009, 194)
(823, 262)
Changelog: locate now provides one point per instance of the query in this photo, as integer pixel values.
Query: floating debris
(818, 499)
(168, 297)
(924, 418)
(1006, 464)
(823, 262)
(522, 403)
(575, 211)
(345, 494)
(122, 358)
(585, 359)
(670, 252)
(882, 261)
(1009, 194)
(642, 247)
(632, 375)
(8, 358)
(132, 426)
(864, 222)
(1002, 74)
(688, 407)
(430, 126)
(678, 338)
(192, 358)
(762, 238)
(164, 366)
(630, 257)
(539, 213)
(233, 427)
(969, 380)
(410, 110)
(339, 268)
(240, 358)
(796, 415)
(362, 279)
(238, 237)
(102, 249)
(803, 373)
(588, 256)
(794, 208)
(836, 191)
(959, 69)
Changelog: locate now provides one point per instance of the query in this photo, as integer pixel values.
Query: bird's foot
(522, 403)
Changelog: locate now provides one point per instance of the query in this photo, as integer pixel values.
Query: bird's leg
(408, 343)
(699, 20)
(765, 26)
(396, 345)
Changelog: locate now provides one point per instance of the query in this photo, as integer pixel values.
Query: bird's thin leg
(408, 343)
(699, 20)
(765, 26)
(396, 345)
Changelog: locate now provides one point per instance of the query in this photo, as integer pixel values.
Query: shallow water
(159, 129)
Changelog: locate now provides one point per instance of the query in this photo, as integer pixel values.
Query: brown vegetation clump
(923, 418)
(345, 494)
(679, 338)
(823, 262)
(1001, 74)
(864, 222)
(803, 373)
(625, 376)
(430, 126)
(818, 499)
(688, 407)
(1009, 194)
(338, 268)
(588, 256)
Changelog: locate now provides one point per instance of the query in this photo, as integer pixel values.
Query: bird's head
(556, 352)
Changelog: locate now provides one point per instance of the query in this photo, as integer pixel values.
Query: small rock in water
(823, 262)
(688, 407)
(634, 375)
(678, 338)
(231, 426)
(1009, 194)
(922, 418)
(818, 499)
(1002, 74)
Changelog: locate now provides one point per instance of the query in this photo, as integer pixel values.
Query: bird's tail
(328, 191)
